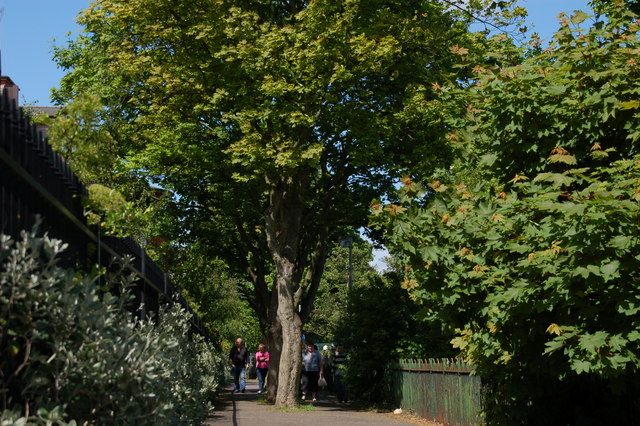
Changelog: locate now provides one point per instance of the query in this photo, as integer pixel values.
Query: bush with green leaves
(383, 324)
(541, 285)
(534, 257)
(72, 351)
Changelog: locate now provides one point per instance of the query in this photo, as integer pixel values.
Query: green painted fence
(442, 390)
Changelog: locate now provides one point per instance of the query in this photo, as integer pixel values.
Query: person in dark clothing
(239, 360)
(339, 360)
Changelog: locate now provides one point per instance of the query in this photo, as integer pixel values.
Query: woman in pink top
(262, 366)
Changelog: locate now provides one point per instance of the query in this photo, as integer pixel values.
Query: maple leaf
(459, 50)
(518, 178)
(438, 186)
(394, 209)
(555, 329)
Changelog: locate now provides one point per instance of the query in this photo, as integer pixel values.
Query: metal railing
(441, 390)
(35, 180)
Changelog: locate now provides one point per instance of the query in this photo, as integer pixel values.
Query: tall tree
(273, 122)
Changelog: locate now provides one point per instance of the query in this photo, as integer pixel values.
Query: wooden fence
(442, 390)
(35, 180)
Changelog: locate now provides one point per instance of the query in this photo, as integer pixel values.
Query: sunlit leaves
(538, 250)
(537, 265)
(289, 114)
(579, 92)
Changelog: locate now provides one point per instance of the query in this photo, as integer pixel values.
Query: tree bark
(283, 227)
(274, 343)
(291, 355)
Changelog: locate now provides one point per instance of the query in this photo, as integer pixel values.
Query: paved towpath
(248, 409)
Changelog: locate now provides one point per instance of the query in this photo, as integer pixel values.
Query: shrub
(71, 349)
(531, 249)
(384, 324)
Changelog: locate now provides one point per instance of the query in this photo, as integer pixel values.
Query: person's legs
(328, 376)
(236, 378)
(305, 384)
(243, 373)
(259, 376)
(265, 377)
(339, 386)
(314, 376)
(261, 373)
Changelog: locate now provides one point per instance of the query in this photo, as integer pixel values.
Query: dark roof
(5, 79)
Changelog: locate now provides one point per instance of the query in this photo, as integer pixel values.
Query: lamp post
(348, 242)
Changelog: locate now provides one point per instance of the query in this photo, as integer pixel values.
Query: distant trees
(331, 303)
(383, 323)
(214, 292)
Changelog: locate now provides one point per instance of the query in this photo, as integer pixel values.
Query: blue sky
(28, 29)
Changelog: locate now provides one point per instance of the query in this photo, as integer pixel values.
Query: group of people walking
(323, 369)
(239, 360)
(314, 367)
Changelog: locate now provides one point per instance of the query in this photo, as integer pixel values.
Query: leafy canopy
(274, 123)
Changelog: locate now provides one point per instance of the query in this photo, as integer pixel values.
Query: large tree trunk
(274, 343)
(283, 225)
(291, 355)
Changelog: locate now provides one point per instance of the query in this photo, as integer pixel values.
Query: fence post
(165, 287)
(143, 289)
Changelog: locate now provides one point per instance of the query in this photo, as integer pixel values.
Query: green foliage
(119, 199)
(214, 294)
(534, 263)
(330, 305)
(273, 123)
(71, 350)
(107, 208)
(382, 324)
(576, 97)
(89, 149)
(221, 103)
(539, 281)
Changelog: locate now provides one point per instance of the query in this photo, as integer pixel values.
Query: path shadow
(226, 401)
(226, 408)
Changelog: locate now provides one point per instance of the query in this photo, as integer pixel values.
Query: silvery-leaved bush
(72, 352)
